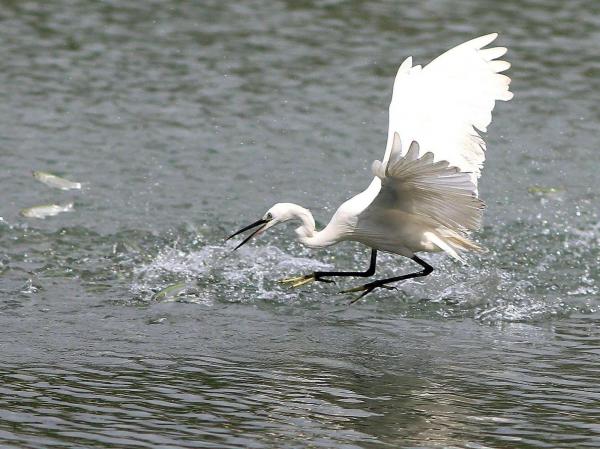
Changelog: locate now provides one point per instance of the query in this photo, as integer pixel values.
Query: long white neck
(307, 232)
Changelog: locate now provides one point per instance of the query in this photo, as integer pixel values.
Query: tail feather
(464, 244)
(451, 242)
(441, 244)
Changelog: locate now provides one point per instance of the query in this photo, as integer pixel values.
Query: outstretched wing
(442, 105)
(435, 192)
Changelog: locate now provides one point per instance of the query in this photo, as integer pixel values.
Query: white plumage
(442, 105)
(433, 198)
(424, 196)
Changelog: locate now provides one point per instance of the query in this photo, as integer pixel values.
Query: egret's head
(279, 213)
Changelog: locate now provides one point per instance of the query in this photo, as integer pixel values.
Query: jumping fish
(47, 210)
(55, 181)
(170, 291)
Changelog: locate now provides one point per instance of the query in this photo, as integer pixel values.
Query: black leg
(364, 274)
(320, 275)
(368, 288)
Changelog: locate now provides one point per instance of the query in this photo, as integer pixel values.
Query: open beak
(262, 223)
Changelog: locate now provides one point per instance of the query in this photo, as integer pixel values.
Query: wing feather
(443, 105)
(436, 191)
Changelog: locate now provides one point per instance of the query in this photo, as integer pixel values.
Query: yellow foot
(360, 288)
(366, 289)
(298, 281)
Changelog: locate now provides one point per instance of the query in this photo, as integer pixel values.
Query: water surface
(186, 121)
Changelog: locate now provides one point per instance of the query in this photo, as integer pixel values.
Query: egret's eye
(269, 216)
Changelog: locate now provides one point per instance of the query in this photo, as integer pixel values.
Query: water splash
(531, 273)
(218, 273)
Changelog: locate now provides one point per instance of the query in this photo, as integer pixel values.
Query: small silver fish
(47, 210)
(55, 181)
(170, 291)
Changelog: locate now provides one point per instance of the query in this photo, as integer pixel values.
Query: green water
(187, 120)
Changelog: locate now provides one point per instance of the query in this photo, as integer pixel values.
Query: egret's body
(424, 194)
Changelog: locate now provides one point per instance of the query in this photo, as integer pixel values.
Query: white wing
(433, 191)
(422, 204)
(439, 106)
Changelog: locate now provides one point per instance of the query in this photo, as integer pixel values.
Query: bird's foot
(366, 289)
(299, 281)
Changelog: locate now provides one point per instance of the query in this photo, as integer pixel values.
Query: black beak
(253, 225)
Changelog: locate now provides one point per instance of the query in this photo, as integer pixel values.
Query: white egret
(424, 195)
